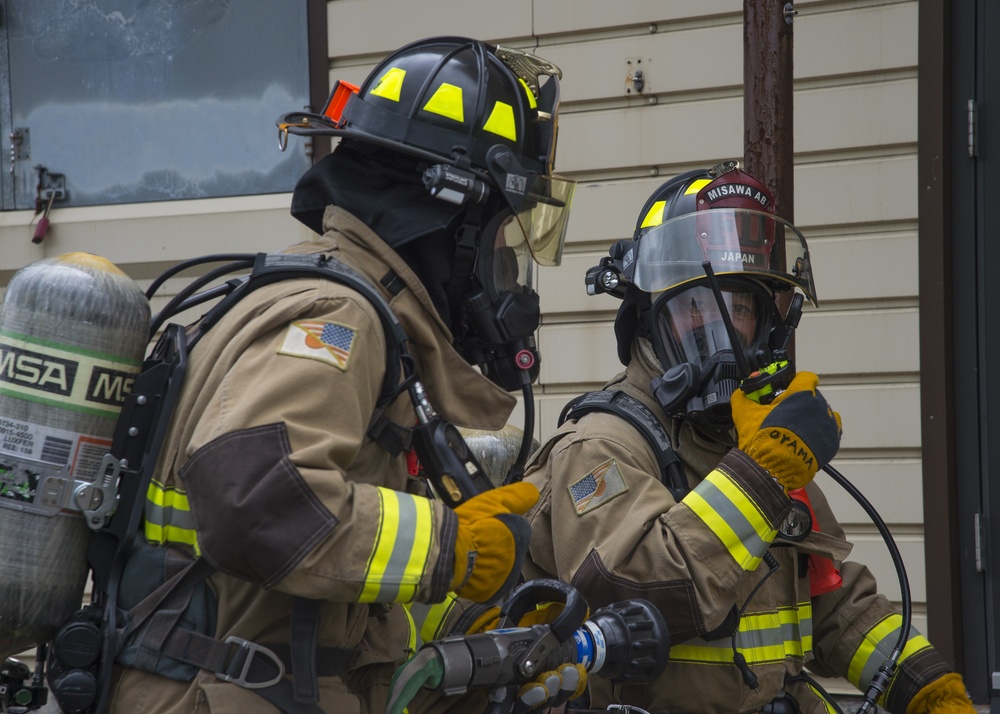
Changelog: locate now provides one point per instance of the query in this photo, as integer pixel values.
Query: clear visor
(691, 327)
(512, 264)
(733, 240)
(544, 216)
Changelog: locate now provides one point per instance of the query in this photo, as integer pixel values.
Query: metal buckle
(252, 649)
(626, 709)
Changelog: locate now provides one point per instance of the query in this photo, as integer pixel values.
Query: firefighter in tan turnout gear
(700, 524)
(280, 468)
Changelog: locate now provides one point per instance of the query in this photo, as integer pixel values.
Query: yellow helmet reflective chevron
(442, 94)
(488, 111)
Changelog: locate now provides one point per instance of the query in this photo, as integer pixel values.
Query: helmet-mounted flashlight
(454, 185)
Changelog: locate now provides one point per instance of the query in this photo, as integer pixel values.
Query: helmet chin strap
(467, 240)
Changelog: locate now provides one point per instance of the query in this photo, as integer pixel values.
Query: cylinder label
(83, 453)
(59, 376)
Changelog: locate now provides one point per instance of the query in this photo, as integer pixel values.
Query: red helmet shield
(742, 240)
(736, 189)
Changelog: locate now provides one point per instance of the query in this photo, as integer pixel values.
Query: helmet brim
(734, 241)
(312, 124)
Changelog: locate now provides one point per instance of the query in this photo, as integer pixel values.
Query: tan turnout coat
(606, 524)
(288, 494)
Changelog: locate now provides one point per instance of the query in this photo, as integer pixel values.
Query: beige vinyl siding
(856, 198)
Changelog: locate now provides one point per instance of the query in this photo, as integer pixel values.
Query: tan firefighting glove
(552, 688)
(492, 541)
(945, 695)
(794, 436)
(541, 615)
(548, 689)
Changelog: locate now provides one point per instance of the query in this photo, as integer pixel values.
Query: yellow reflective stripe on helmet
(401, 550)
(390, 84)
(501, 121)
(528, 93)
(733, 516)
(168, 517)
(430, 618)
(696, 186)
(654, 216)
(876, 647)
(762, 637)
(447, 101)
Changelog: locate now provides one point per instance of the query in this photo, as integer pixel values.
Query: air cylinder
(73, 330)
(496, 451)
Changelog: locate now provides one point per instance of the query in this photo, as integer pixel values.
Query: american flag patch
(598, 487)
(328, 342)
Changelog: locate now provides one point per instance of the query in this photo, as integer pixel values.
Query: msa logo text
(37, 371)
(109, 386)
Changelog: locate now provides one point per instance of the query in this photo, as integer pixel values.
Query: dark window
(122, 101)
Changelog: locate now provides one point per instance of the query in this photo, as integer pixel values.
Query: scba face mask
(692, 342)
(500, 313)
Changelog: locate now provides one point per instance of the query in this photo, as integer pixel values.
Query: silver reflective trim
(732, 515)
(394, 573)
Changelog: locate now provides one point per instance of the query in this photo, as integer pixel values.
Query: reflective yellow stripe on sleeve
(168, 518)
(401, 550)
(430, 618)
(763, 637)
(828, 706)
(876, 647)
(413, 642)
(733, 516)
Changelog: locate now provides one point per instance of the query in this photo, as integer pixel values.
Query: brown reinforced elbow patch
(674, 598)
(256, 517)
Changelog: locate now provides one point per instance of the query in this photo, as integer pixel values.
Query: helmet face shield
(735, 241)
(544, 215)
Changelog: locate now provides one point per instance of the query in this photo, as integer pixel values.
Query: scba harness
(151, 608)
(639, 416)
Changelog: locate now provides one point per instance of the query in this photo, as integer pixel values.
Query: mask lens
(691, 328)
(512, 269)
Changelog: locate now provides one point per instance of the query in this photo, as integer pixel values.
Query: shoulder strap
(639, 416)
(272, 267)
